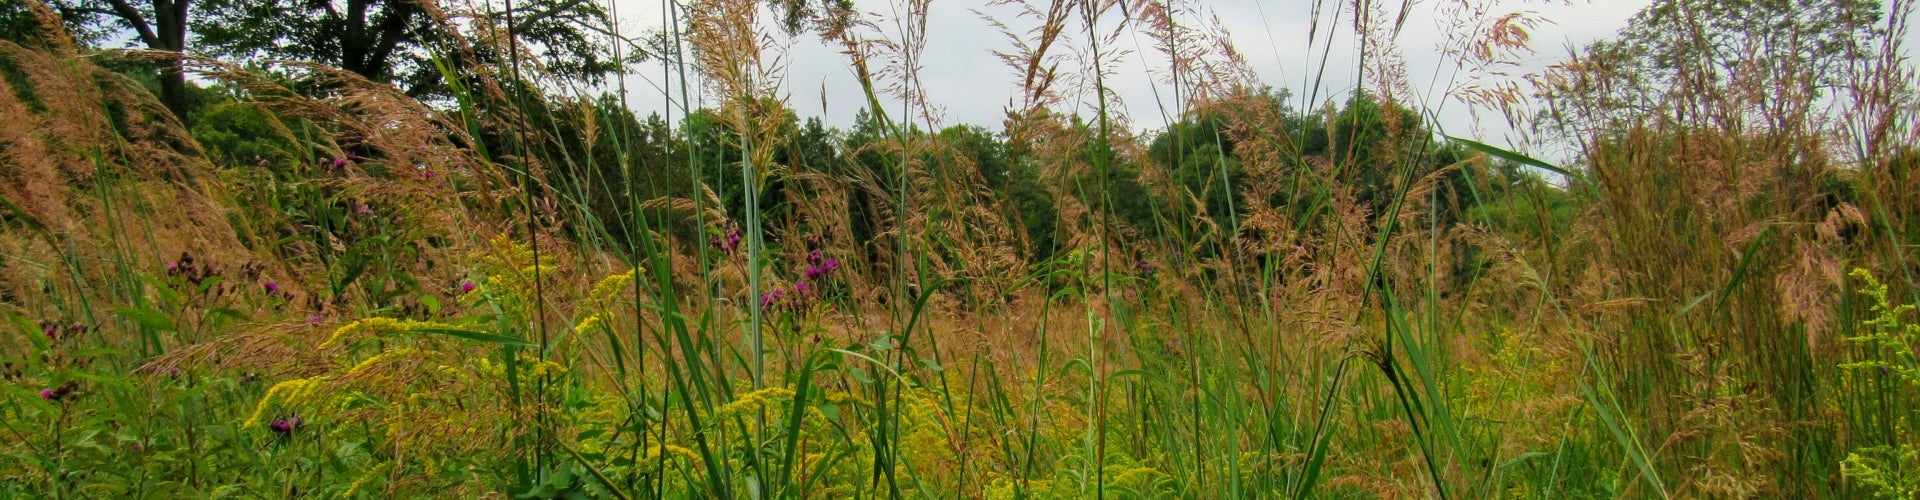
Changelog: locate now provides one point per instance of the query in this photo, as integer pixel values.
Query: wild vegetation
(418, 249)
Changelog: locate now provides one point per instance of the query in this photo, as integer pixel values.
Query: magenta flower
(313, 320)
(730, 241)
(286, 425)
(173, 268)
(365, 210)
(339, 163)
(62, 392)
(772, 298)
(53, 332)
(821, 266)
(466, 287)
(802, 289)
(271, 287)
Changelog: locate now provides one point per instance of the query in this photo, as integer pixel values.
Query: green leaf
(145, 317)
(1504, 154)
(476, 336)
(25, 219)
(228, 312)
(1627, 443)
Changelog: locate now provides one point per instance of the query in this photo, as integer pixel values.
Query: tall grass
(528, 290)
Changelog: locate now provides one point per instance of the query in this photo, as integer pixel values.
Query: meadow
(473, 271)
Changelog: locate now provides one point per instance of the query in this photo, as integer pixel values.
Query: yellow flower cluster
(291, 392)
(847, 398)
(588, 324)
(377, 358)
(764, 398)
(612, 285)
(372, 327)
(510, 269)
(530, 366)
(654, 453)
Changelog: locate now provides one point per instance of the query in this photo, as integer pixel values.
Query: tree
(167, 31)
(1723, 60)
(1672, 37)
(395, 40)
(159, 25)
(796, 14)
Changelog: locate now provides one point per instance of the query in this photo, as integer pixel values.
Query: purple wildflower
(730, 241)
(173, 268)
(821, 266)
(271, 287)
(802, 289)
(313, 320)
(53, 332)
(365, 210)
(339, 163)
(60, 393)
(772, 298)
(466, 287)
(286, 425)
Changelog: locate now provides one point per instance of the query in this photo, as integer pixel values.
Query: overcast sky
(963, 77)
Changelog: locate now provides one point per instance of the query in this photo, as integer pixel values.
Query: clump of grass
(528, 290)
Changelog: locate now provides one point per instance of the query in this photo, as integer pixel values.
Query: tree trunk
(171, 18)
(167, 31)
(367, 44)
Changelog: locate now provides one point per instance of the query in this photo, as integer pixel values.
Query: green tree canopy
(396, 40)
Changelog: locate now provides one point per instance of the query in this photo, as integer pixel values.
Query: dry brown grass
(149, 197)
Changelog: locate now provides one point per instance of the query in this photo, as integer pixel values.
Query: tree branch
(132, 17)
(392, 29)
(537, 17)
